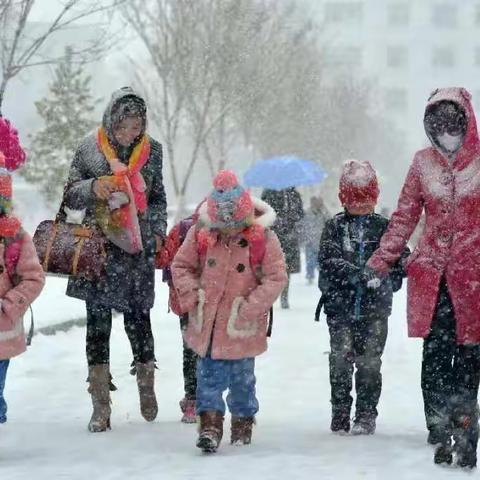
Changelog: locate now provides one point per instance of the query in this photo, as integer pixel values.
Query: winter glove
(10, 146)
(372, 278)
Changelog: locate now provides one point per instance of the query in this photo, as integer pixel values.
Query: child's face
(365, 209)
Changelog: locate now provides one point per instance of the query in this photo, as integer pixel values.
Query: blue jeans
(3, 404)
(311, 257)
(216, 376)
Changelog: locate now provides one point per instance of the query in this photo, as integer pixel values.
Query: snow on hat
(229, 205)
(358, 184)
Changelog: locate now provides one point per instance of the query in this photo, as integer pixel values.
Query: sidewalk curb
(61, 327)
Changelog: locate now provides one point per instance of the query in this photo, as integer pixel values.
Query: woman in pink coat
(228, 273)
(21, 281)
(444, 270)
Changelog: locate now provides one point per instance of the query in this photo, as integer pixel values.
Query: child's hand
(372, 278)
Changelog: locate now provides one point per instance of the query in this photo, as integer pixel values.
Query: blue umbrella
(278, 173)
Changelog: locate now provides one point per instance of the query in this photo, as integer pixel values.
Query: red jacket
(450, 243)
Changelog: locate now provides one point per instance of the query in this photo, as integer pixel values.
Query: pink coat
(450, 243)
(15, 300)
(224, 300)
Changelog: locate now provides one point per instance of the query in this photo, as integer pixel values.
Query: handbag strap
(61, 215)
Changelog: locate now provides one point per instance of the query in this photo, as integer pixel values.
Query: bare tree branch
(19, 52)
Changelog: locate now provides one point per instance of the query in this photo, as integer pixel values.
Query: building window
(343, 56)
(398, 14)
(343, 12)
(397, 57)
(445, 15)
(443, 57)
(396, 99)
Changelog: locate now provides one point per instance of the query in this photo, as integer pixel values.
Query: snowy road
(46, 436)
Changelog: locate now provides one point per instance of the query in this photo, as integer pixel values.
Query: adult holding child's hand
(444, 270)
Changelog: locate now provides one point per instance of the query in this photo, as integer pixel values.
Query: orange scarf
(137, 160)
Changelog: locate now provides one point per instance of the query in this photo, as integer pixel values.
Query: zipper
(361, 253)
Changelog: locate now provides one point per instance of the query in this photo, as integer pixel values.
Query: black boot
(465, 435)
(441, 434)
(444, 453)
(364, 424)
(340, 422)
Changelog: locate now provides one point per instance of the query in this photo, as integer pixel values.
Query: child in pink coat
(21, 280)
(228, 273)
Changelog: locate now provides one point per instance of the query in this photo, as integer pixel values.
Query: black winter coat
(129, 280)
(288, 206)
(347, 243)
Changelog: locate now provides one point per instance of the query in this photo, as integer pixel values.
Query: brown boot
(242, 430)
(211, 431)
(146, 384)
(99, 389)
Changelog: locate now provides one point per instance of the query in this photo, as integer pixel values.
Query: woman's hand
(103, 188)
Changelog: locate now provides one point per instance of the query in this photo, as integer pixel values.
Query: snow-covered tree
(67, 116)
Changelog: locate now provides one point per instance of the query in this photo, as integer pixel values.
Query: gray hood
(117, 96)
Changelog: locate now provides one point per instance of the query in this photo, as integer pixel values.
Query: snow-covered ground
(46, 436)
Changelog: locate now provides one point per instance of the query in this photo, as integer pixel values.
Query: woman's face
(128, 130)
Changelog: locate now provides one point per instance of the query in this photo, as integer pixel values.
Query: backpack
(257, 247)
(12, 249)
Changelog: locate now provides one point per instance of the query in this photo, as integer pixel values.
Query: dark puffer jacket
(129, 280)
(347, 243)
(288, 206)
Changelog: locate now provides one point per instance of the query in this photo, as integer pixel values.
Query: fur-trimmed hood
(264, 215)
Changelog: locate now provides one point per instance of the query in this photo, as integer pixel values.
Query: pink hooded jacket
(450, 242)
(227, 305)
(15, 299)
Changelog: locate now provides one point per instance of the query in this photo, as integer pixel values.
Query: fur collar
(264, 214)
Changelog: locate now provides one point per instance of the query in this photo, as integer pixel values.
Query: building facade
(406, 48)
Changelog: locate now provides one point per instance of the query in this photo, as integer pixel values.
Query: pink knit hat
(229, 205)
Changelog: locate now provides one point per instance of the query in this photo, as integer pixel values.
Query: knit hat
(358, 184)
(10, 146)
(229, 205)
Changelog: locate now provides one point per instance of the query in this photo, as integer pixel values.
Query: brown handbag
(70, 249)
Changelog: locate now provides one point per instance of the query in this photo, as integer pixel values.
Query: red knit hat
(358, 184)
(229, 204)
(10, 146)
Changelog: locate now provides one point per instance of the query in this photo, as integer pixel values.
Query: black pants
(360, 343)
(189, 365)
(99, 326)
(450, 376)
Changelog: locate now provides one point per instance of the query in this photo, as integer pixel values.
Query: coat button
(446, 178)
(240, 268)
(211, 262)
(445, 237)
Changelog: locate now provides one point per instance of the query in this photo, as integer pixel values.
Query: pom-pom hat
(229, 205)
